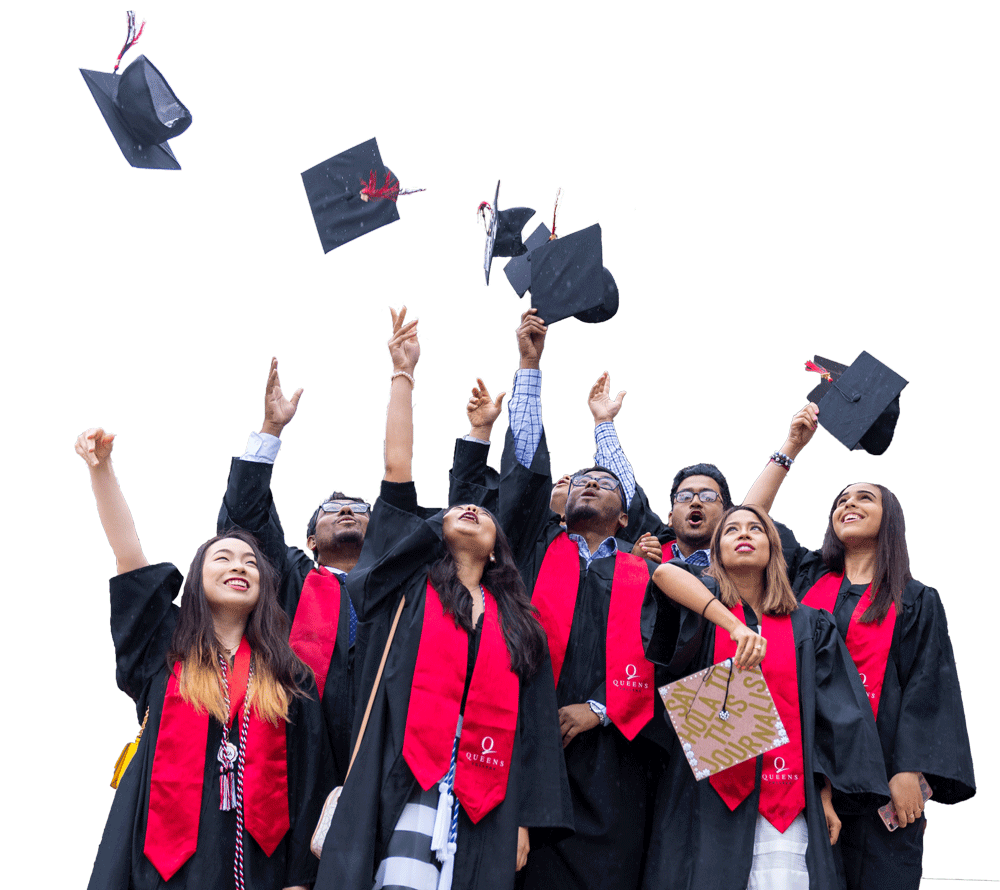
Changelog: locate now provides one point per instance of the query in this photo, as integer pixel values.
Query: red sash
(175, 787)
(782, 792)
(868, 642)
(487, 741)
(630, 687)
(554, 596)
(314, 630)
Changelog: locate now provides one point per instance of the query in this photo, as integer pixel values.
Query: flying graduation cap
(858, 405)
(351, 194)
(503, 230)
(139, 108)
(566, 276)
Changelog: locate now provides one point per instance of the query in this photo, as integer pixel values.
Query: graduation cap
(503, 230)
(858, 405)
(351, 194)
(568, 278)
(518, 270)
(141, 111)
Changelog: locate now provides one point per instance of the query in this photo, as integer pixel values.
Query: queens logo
(780, 773)
(631, 680)
(488, 755)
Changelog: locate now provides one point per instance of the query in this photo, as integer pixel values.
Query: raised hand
(602, 406)
(803, 426)
(94, 446)
(404, 347)
(482, 410)
(278, 410)
(531, 338)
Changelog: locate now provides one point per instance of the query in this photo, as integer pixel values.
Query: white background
(773, 180)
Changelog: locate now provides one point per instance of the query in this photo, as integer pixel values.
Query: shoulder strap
(378, 678)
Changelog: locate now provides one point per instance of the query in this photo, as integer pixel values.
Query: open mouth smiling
(240, 584)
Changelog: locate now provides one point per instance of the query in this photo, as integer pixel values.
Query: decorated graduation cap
(139, 108)
(351, 194)
(858, 404)
(503, 230)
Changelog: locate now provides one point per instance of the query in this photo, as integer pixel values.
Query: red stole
(782, 792)
(175, 787)
(629, 681)
(629, 676)
(490, 719)
(868, 642)
(314, 630)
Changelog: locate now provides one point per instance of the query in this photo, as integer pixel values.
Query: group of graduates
(482, 679)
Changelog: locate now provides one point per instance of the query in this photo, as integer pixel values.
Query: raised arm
(525, 406)
(763, 491)
(471, 481)
(686, 590)
(609, 453)
(404, 348)
(94, 446)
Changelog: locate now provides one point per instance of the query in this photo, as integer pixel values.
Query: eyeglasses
(605, 482)
(685, 495)
(356, 507)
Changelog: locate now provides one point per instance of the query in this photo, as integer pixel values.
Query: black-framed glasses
(605, 482)
(355, 507)
(707, 496)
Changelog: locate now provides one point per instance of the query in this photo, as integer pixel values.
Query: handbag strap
(378, 678)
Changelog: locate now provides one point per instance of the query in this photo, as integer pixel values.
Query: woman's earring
(493, 557)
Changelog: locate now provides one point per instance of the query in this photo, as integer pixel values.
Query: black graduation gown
(921, 719)
(142, 624)
(399, 547)
(248, 505)
(609, 775)
(697, 842)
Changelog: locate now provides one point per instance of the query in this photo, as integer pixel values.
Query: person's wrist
(481, 432)
(272, 428)
(529, 363)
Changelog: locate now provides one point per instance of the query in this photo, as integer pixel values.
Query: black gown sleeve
(672, 636)
(310, 778)
(248, 505)
(524, 495)
(847, 748)
(471, 480)
(642, 518)
(931, 733)
(400, 541)
(143, 618)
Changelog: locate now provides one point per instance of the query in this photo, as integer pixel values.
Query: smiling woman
(225, 785)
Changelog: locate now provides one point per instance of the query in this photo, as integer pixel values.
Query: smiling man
(324, 628)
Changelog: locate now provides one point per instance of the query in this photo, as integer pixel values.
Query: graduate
(897, 633)
(588, 592)
(459, 757)
(324, 629)
(768, 822)
(226, 784)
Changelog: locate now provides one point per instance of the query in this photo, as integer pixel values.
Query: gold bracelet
(409, 377)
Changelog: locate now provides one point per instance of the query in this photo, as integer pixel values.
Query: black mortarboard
(503, 232)
(141, 111)
(351, 194)
(518, 270)
(859, 405)
(568, 278)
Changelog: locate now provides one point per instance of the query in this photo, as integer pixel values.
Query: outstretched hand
(803, 426)
(94, 446)
(482, 410)
(602, 406)
(278, 410)
(531, 338)
(404, 347)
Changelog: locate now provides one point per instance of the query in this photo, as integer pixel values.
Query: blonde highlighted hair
(779, 599)
(201, 687)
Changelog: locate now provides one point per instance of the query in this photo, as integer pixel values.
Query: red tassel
(390, 191)
(130, 39)
(819, 369)
(554, 209)
(485, 213)
(227, 790)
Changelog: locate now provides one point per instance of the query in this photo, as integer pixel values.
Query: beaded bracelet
(782, 460)
(409, 377)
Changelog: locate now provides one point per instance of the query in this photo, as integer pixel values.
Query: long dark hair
(279, 674)
(892, 559)
(518, 618)
(779, 599)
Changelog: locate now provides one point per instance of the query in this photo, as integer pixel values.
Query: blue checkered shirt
(698, 558)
